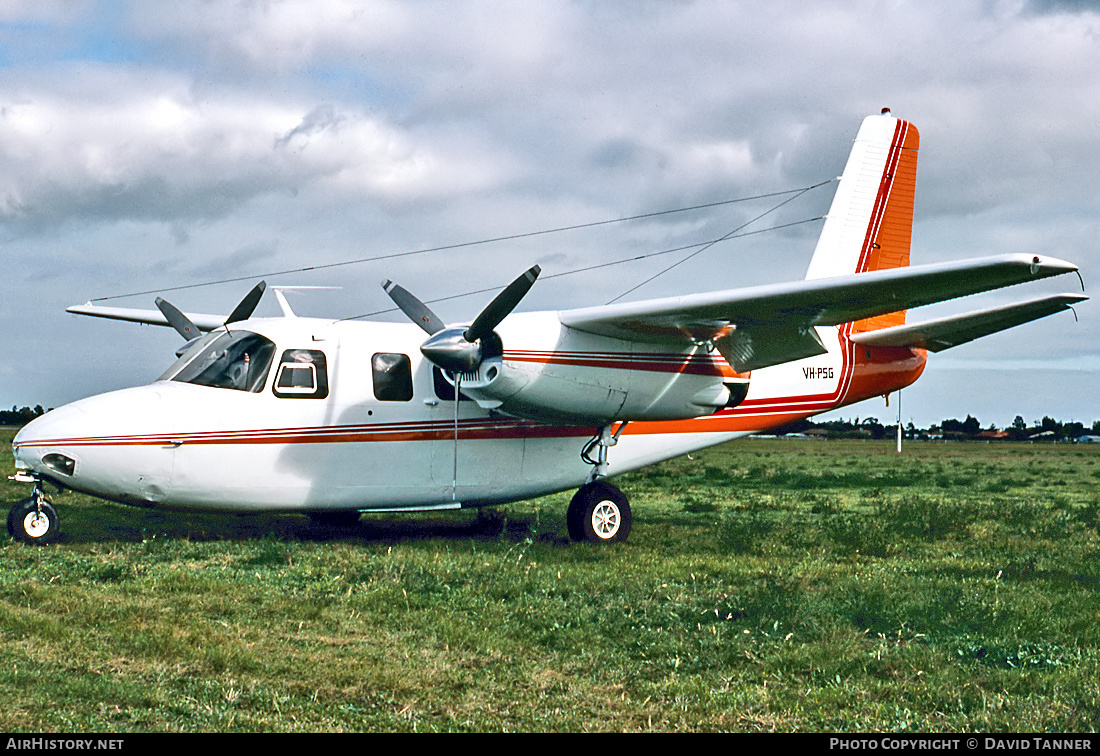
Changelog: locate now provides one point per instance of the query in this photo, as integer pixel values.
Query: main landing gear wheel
(599, 513)
(33, 521)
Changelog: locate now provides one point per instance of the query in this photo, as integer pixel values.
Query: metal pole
(899, 421)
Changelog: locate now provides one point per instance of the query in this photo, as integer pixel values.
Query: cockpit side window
(238, 360)
(392, 377)
(302, 374)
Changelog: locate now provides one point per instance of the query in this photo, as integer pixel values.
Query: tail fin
(870, 223)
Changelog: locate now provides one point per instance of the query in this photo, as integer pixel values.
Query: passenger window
(392, 377)
(303, 374)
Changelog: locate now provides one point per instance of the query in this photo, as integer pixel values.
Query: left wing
(774, 324)
(149, 317)
(167, 315)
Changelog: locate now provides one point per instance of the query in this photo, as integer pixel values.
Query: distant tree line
(20, 416)
(1047, 429)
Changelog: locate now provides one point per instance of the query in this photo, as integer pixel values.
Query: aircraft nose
(108, 445)
(32, 445)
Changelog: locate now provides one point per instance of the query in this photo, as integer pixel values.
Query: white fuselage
(278, 447)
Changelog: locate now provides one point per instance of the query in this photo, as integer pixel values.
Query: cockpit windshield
(238, 360)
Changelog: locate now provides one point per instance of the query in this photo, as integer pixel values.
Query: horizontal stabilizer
(150, 317)
(944, 333)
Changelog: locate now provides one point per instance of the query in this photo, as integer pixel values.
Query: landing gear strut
(601, 442)
(33, 520)
(599, 512)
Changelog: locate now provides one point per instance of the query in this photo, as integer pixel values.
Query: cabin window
(238, 360)
(392, 377)
(302, 374)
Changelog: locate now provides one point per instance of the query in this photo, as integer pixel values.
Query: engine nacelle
(590, 388)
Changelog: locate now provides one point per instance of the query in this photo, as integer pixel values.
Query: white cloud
(115, 144)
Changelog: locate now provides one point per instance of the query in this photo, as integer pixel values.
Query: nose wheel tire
(599, 513)
(33, 522)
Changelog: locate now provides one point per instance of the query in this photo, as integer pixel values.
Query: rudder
(870, 222)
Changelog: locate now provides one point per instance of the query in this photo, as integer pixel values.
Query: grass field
(767, 586)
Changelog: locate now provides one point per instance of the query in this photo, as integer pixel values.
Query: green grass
(766, 586)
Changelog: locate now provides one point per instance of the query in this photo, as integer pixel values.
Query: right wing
(774, 324)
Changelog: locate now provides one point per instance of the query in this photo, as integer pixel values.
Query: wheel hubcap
(606, 519)
(36, 524)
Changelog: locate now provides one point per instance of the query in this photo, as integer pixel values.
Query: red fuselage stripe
(656, 362)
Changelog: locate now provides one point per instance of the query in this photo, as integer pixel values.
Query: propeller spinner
(458, 349)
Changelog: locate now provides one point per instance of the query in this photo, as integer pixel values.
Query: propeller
(244, 310)
(458, 349)
(178, 320)
(190, 331)
(417, 311)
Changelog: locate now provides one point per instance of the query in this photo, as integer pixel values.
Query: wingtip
(1052, 265)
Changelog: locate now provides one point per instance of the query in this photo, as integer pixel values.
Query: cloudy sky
(146, 147)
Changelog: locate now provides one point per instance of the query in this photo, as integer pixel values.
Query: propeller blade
(178, 320)
(244, 310)
(500, 307)
(417, 311)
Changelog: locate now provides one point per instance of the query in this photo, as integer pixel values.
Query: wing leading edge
(774, 324)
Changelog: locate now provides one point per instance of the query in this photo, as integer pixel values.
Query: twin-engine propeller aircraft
(331, 419)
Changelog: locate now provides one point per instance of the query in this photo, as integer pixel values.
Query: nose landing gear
(34, 520)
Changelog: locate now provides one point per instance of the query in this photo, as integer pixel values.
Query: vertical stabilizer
(870, 223)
